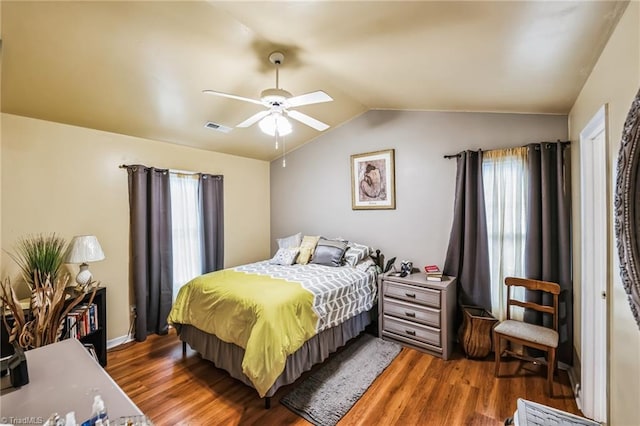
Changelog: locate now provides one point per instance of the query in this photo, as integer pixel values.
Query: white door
(592, 394)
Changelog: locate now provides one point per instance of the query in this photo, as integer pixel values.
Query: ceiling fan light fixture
(271, 97)
(279, 107)
(274, 121)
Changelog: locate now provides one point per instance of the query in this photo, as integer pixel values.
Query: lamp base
(84, 277)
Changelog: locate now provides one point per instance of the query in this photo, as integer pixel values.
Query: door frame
(594, 245)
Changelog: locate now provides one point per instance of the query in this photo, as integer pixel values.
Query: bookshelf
(97, 337)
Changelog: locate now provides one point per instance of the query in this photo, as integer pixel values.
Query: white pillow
(355, 253)
(285, 256)
(290, 241)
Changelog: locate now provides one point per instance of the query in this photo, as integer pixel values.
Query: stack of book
(433, 273)
(83, 320)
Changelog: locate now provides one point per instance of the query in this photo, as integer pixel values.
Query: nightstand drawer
(423, 296)
(412, 312)
(411, 330)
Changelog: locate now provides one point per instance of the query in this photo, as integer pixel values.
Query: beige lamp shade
(84, 249)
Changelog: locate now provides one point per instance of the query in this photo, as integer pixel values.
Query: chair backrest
(529, 284)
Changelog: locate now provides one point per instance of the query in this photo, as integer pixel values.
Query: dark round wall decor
(627, 207)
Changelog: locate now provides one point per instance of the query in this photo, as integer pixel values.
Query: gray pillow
(290, 241)
(329, 252)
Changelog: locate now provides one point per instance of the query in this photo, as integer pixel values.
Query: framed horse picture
(373, 180)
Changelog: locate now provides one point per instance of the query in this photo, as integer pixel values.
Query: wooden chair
(530, 335)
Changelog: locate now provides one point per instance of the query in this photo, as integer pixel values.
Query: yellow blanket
(270, 318)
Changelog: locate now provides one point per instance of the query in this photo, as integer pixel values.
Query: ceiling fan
(279, 104)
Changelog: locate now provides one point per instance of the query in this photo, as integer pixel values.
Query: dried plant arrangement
(39, 255)
(48, 307)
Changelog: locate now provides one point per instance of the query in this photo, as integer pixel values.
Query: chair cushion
(525, 331)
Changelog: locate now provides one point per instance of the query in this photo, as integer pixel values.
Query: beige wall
(614, 81)
(0, 140)
(65, 179)
(1, 245)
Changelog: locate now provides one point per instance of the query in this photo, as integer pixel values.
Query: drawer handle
(410, 314)
(412, 295)
(410, 332)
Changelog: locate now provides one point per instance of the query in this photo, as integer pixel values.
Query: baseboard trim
(575, 372)
(119, 341)
(575, 386)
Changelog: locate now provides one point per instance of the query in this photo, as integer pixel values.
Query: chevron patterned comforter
(338, 293)
(271, 310)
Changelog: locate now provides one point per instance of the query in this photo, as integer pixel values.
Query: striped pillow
(365, 264)
(307, 246)
(355, 253)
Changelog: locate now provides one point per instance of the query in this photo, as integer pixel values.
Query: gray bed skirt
(315, 350)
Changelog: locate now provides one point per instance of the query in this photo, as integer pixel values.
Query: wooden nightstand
(418, 313)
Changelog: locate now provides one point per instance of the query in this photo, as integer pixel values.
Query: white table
(63, 377)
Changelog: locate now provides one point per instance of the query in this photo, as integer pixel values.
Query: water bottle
(98, 413)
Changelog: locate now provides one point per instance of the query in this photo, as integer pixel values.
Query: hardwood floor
(416, 389)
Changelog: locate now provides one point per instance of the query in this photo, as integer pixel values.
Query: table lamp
(84, 249)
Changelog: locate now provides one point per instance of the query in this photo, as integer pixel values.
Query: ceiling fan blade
(309, 121)
(227, 95)
(309, 98)
(254, 119)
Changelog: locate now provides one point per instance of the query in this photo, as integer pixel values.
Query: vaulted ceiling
(139, 68)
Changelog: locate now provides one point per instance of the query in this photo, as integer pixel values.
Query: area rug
(328, 394)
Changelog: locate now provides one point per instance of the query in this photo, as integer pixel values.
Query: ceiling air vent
(217, 127)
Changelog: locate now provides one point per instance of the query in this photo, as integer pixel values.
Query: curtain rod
(449, 156)
(181, 172)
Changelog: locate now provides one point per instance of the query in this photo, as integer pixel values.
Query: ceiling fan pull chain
(277, 134)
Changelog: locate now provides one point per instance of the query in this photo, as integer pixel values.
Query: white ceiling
(139, 68)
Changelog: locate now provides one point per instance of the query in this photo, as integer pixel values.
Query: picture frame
(373, 180)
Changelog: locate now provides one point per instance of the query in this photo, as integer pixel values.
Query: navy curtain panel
(468, 251)
(212, 213)
(151, 248)
(548, 242)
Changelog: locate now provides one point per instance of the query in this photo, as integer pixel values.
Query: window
(505, 192)
(186, 225)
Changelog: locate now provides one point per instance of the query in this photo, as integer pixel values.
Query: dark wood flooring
(416, 389)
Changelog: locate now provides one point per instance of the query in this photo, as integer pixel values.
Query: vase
(475, 332)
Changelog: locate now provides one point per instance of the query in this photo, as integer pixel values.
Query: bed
(266, 323)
